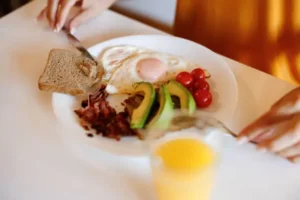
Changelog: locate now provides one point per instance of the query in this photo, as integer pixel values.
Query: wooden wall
(264, 34)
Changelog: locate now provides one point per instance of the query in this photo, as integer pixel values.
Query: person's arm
(57, 12)
(278, 130)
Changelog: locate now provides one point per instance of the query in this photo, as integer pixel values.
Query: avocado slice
(187, 102)
(164, 114)
(141, 113)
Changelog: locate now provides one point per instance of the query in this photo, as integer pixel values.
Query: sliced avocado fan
(141, 113)
(187, 102)
(164, 114)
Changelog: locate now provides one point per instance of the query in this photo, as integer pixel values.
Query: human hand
(278, 130)
(57, 12)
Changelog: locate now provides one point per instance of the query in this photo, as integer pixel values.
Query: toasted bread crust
(48, 82)
(64, 90)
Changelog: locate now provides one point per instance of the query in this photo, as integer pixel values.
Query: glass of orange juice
(185, 157)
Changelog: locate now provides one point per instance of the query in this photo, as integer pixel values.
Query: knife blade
(77, 44)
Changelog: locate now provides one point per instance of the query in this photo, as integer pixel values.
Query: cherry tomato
(203, 98)
(191, 89)
(201, 84)
(185, 78)
(198, 73)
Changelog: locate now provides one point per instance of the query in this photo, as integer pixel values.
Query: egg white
(113, 57)
(126, 75)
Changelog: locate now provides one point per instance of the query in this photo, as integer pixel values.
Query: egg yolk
(150, 69)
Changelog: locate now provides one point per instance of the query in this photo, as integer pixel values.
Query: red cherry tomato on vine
(201, 84)
(191, 89)
(198, 73)
(185, 78)
(203, 98)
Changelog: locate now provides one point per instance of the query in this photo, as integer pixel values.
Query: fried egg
(148, 66)
(113, 57)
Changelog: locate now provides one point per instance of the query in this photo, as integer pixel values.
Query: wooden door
(264, 34)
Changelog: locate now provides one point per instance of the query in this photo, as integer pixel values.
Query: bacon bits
(100, 116)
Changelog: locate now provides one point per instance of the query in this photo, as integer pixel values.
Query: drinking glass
(185, 156)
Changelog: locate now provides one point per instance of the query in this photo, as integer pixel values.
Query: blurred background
(264, 34)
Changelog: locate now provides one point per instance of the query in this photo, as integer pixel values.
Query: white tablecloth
(35, 163)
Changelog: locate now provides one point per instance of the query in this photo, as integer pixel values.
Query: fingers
(296, 159)
(261, 129)
(284, 140)
(52, 11)
(291, 151)
(279, 129)
(57, 11)
(288, 104)
(252, 131)
(63, 13)
(290, 136)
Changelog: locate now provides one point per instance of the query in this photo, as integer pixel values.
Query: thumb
(81, 17)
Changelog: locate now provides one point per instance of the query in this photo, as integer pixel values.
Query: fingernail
(242, 140)
(57, 27)
(73, 30)
(53, 28)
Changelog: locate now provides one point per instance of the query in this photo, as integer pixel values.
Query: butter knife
(77, 44)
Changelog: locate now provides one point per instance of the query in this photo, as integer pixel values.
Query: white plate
(223, 85)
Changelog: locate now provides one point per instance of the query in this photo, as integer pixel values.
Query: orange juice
(183, 169)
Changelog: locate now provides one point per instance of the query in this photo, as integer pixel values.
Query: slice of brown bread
(70, 73)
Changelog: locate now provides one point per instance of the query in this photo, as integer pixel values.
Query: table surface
(36, 164)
